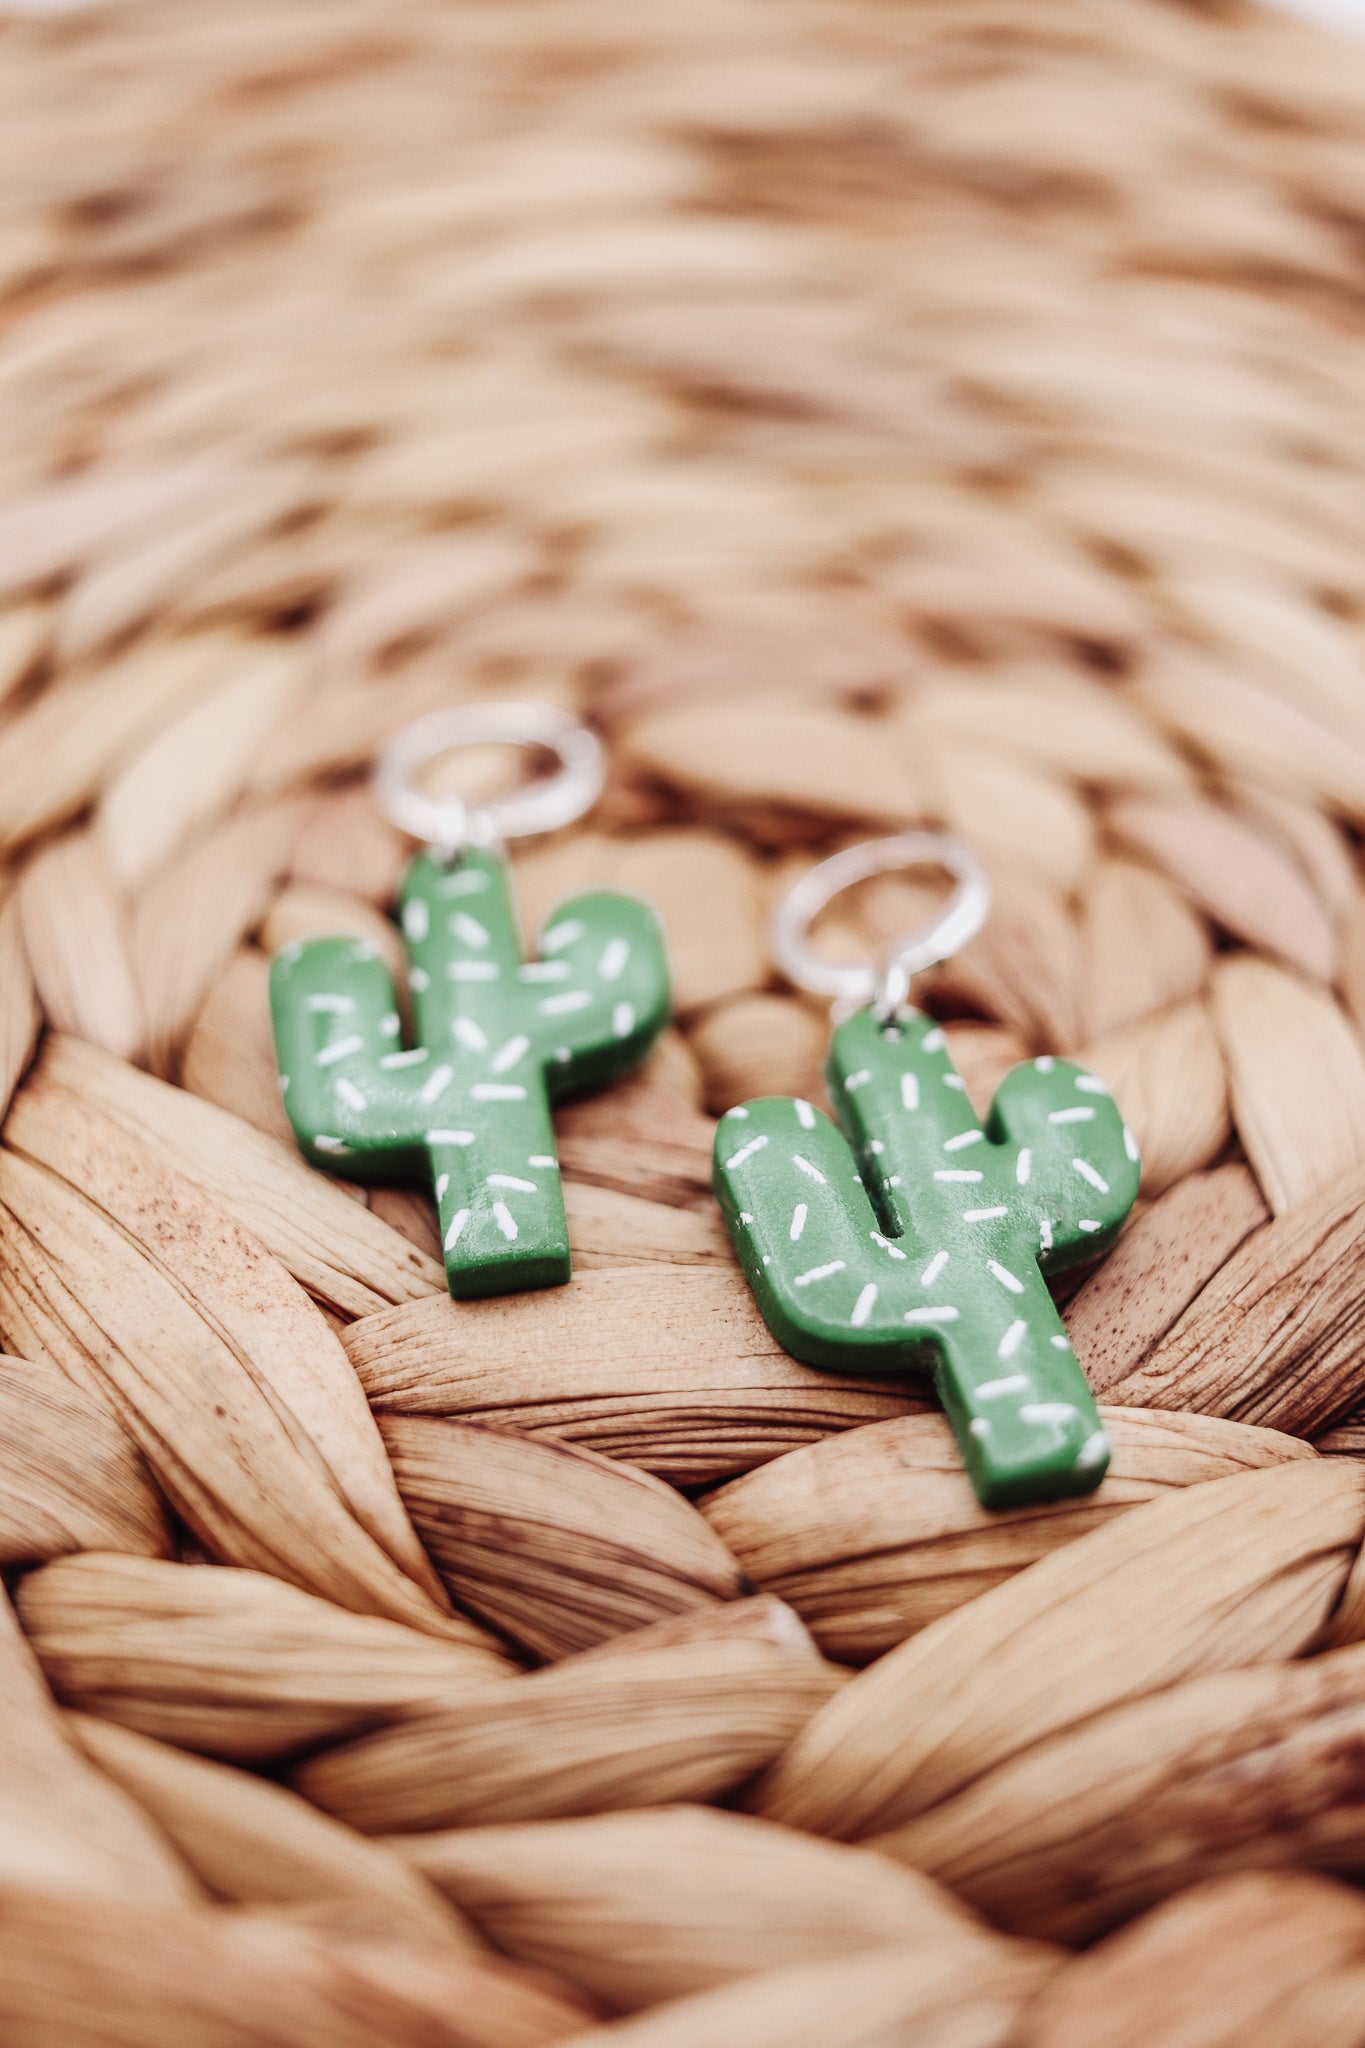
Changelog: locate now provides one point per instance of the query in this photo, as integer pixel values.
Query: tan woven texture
(865, 415)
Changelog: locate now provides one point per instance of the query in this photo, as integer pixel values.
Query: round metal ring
(885, 983)
(448, 823)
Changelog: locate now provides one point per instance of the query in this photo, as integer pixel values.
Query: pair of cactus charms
(915, 1239)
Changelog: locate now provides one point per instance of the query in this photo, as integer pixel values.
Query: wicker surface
(947, 413)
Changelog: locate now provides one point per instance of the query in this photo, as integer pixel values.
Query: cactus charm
(921, 1240)
(467, 1107)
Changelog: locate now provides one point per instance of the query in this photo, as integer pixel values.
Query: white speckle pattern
(798, 1222)
(416, 920)
(909, 1091)
(561, 935)
(1088, 1172)
(958, 1173)
(963, 1139)
(933, 1269)
(819, 1273)
(472, 1036)
(507, 1055)
(562, 1006)
(863, 1306)
(450, 1137)
(436, 1083)
(497, 1091)
(983, 1215)
(509, 1180)
(457, 1224)
(1071, 1116)
(805, 1115)
(811, 1172)
(350, 1094)
(505, 1220)
(1012, 1338)
(615, 954)
(623, 1019)
(340, 1049)
(745, 1152)
(1004, 1276)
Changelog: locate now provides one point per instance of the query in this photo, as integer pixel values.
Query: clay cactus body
(497, 1039)
(920, 1241)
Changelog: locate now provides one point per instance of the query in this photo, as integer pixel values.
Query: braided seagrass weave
(865, 416)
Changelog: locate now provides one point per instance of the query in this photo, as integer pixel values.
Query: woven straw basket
(864, 414)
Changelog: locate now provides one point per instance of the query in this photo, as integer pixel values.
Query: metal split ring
(448, 824)
(884, 984)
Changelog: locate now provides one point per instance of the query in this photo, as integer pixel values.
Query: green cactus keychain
(467, 1106)
(918, 1238)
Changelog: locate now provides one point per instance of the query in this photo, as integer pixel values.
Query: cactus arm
(899, 1097)
(596, 998)
(1076, 1165)
(347, 1088)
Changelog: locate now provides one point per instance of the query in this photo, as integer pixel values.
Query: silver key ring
(885, 984)
(449, 824)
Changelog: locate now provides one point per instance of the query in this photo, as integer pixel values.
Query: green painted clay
(921, 1240)
(468, 1107)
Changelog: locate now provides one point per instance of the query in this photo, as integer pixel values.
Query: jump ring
(450, 824)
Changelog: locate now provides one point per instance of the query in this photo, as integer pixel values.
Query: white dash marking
(469, 931)
(497, 1091)
(1023, 1166)
(350, 1094)
(1071, 1116)
(805, 1115)
(933, 1041)
(457, 1224)
(450, 1137)
(337, 1006)
(1088, 1223)
(958, 1173)
(1045, 1235)
(819, 1272)
(466, 882)
(798, 1223)
(1091, 1084)
(933, 1269)
(1059, 1413)
(1012, 1339)
(863, 1306)
(505, 1220)
(955, 1081)
(623, 1019)
(543, 1159)
(507, 1055)
(545, 970)
(909, 1091)
(1130, 1144)
(340, 1049)
(615, 954)
(886, 1244)
(746, 1216)
(473, 970)
(1087, 1172)
(419, 979)
(416, 919)
(811, 1172)
(979, 1426)
(962, 1139)
(414, 1058)
(1059, 1342)
(875, 1147)
(333, 1146)
(995, 1390)
(1093, 1451)
(857, 1080)
(561, 1006)
(363, 950)
(388, 1025)
(1004, 1276)
(509, 1180)
(1045, 1063)
(472, 1036)
(745, 1152)
(741, 1112)
(442, 1183)
(931, 1315)
(439, 1079)
(561, 935)
(983, 1215)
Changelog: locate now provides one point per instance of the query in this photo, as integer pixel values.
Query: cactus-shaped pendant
(467, 1107)
(919, 1239)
